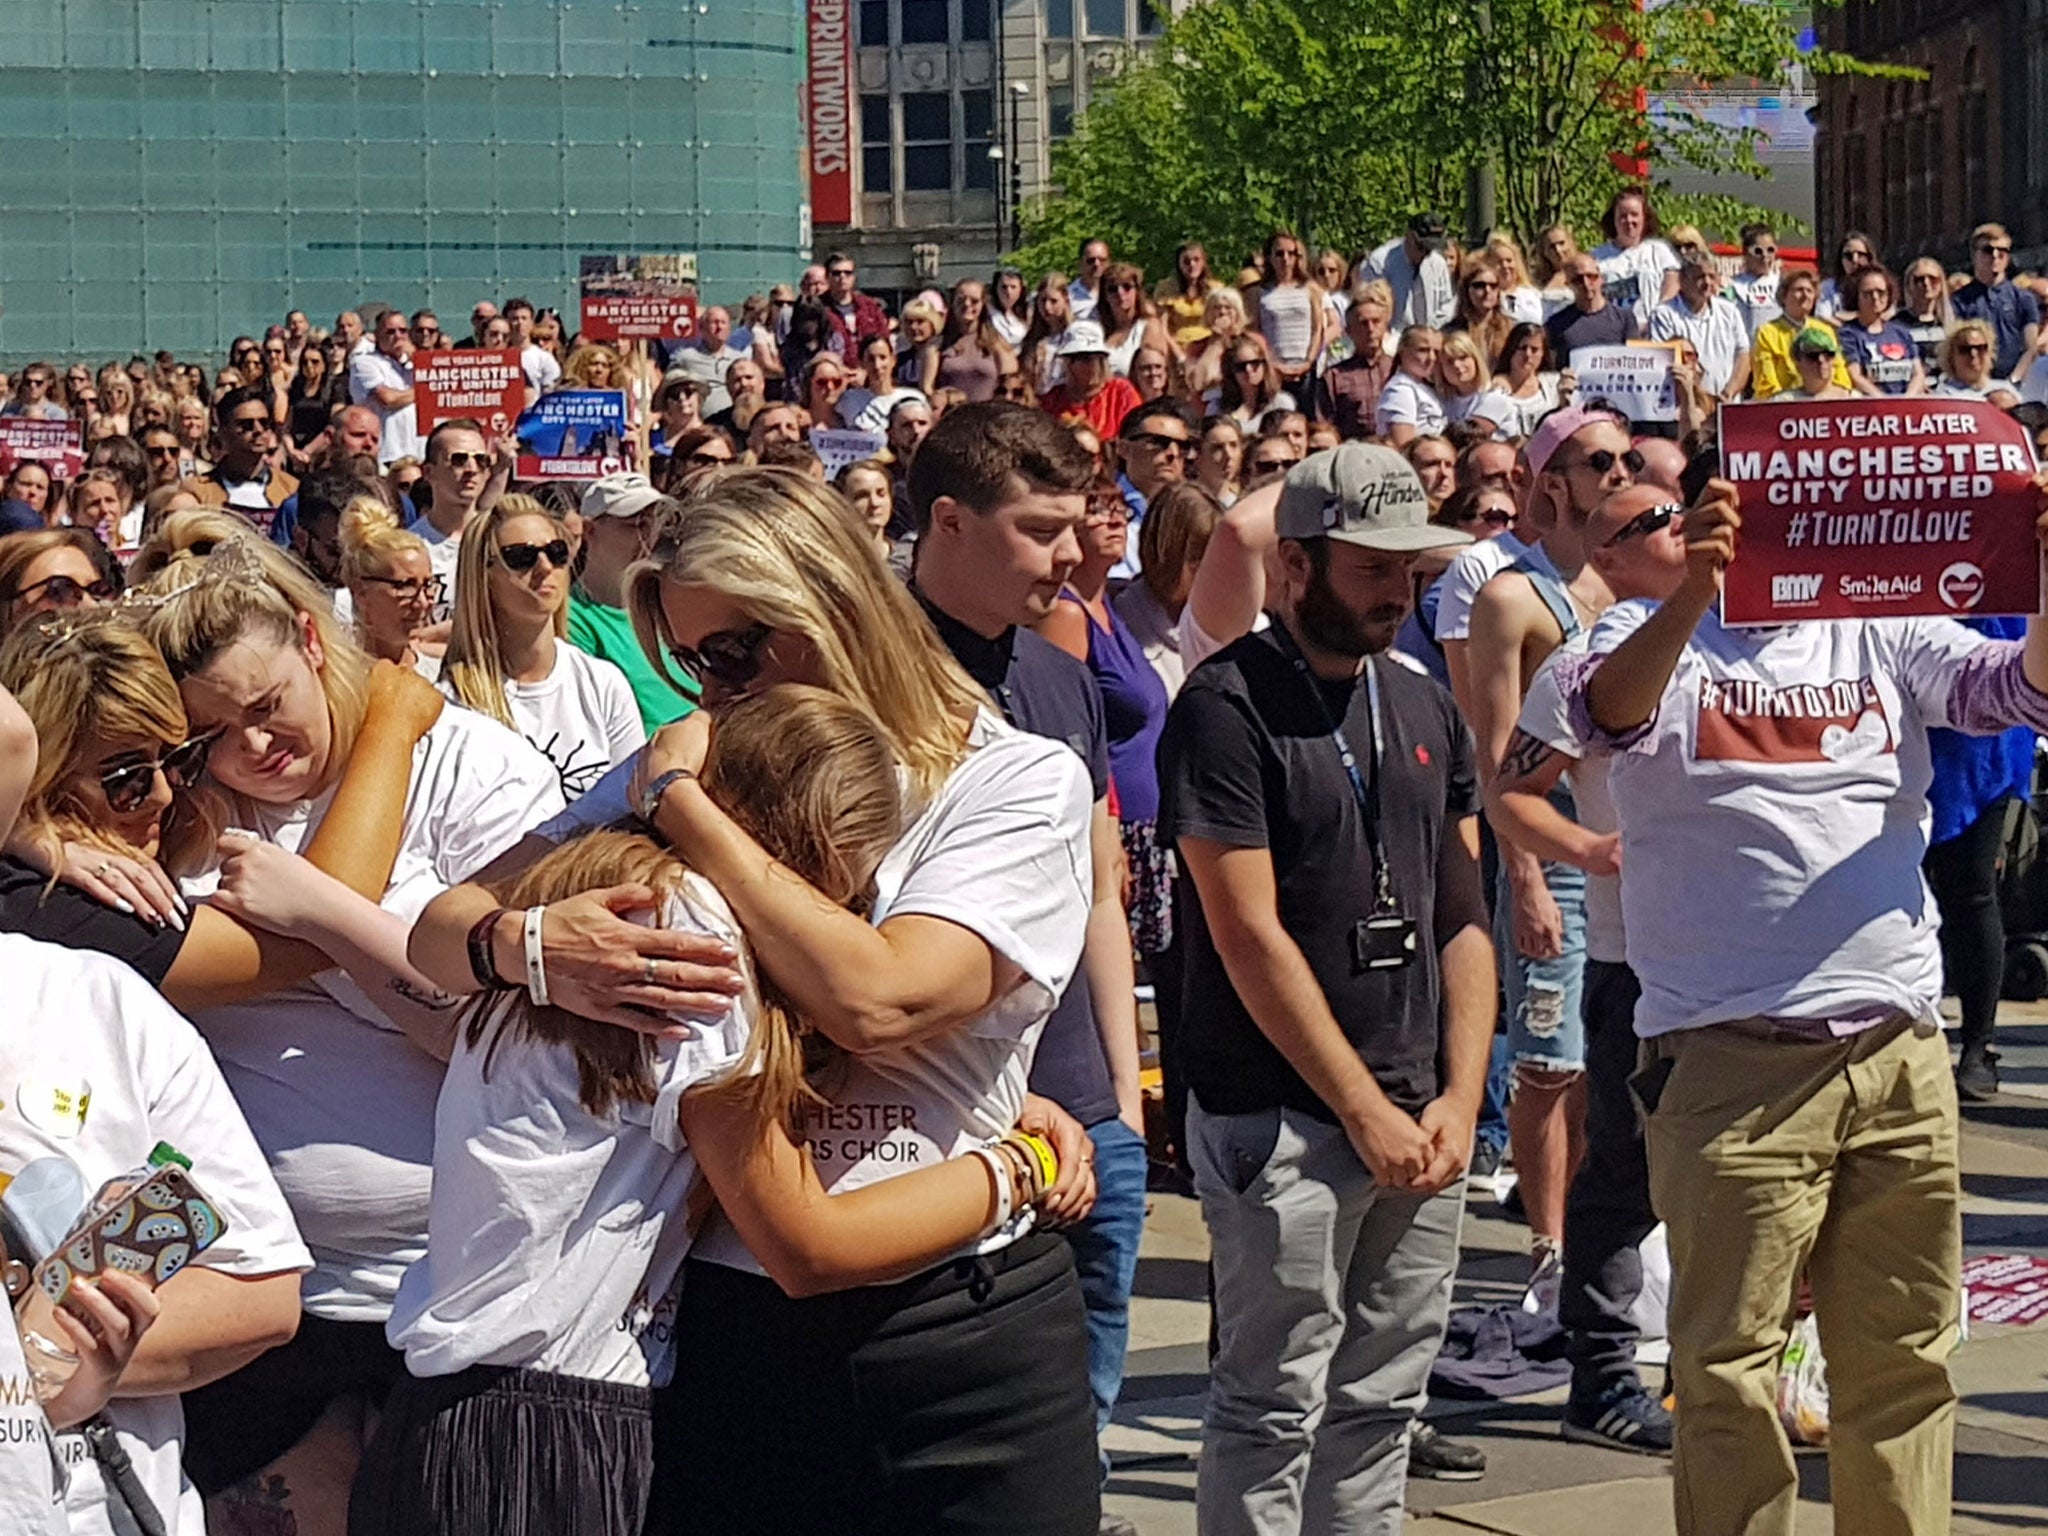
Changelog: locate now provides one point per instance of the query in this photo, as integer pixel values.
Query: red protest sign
(58, 445)
(1880, 508)
(486, 387)
(639, 298)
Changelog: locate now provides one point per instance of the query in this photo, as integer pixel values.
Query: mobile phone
(151, 1232)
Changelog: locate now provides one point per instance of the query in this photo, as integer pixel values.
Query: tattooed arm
(1518, 805)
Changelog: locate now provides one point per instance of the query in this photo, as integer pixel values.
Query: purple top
(1133, 708)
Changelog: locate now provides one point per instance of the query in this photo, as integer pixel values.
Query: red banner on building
(486, 387)
(59, 446)
(828, 111)
(1880, 508)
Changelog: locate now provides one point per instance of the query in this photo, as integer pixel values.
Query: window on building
(1855, 180)
(924, 21)
(1059, 18)
(927, 142)
(1893, 174)
(1931, 211)
(1105, 17)
(975, 22)
(875, 162)
(1059, 111)
(1150, 15)
(1975, 125)
(874, 23)
(977, 137)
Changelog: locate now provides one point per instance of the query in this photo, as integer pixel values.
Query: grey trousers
(1331, 1297)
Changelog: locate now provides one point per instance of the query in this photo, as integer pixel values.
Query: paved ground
(1537, 1484)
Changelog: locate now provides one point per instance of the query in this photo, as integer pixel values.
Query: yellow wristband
(1042, 1155)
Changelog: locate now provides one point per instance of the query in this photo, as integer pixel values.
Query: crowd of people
(650, 969)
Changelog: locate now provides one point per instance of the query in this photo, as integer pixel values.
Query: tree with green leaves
(1339, 120)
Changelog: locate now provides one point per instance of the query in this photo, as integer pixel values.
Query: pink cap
(1552, 431)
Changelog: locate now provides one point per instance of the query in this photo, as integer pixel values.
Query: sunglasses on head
(67, 591)
(1655, 520)
(1601, 460)
(730, 658)
(128, 785)
(524, 557)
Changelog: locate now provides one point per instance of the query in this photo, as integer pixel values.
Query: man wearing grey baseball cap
(1340, 1007)
(621, 515)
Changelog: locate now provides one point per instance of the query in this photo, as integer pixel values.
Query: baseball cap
(621, 495)
(683, 376)
(1554, 430)
(1816, 341)
(1083, 337)
(1430, 229)
(1363, 494)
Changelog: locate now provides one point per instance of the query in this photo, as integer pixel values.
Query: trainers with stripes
(1626, 1418)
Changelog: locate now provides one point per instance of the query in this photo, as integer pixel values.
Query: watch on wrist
(650, 798)
(483, 965)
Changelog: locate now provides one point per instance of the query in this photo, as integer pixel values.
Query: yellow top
(1772, 370)
(1182, 314)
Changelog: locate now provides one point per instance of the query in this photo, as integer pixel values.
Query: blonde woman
(1480, 284)
(1555, 248)
(391, 586)
(51, 570)
(1925, 310)
(1224, 319)
(338, 1086)
(532, 1350)
(917, 365)
(1772, 370)
(507, 655)
(1520, 299)
(974, 1410)
(1966, 366)
(1466, 388)
(1410, 406)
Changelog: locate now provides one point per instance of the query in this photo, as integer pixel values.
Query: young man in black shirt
(1339, 1009)
(998, 492)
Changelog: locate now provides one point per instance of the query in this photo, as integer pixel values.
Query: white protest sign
(1635, 380)
(837, 447)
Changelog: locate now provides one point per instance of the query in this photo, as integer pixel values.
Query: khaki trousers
(1768, 1152)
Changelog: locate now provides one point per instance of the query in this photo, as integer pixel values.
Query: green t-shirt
(607, 632)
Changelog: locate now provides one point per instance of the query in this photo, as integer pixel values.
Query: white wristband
(536, 972)
(1000, 1171)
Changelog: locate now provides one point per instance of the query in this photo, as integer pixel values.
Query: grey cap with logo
(1362, 494)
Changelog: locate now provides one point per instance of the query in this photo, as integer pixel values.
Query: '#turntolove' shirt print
(1743, 720)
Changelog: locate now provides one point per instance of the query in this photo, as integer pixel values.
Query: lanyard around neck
(1368, 798)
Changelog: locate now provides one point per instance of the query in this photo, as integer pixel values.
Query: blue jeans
(1105, 1247)
(1546, 1022)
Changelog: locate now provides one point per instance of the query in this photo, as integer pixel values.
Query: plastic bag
(1803, 1386)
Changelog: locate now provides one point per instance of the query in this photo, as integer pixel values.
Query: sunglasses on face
(730, 658)
(1159, 442)
(66, 591)
(1643, 524)
(1973, 348)
(1994, 250)
(524, 557)
(840, 272)
(1492, 519)
(406, 589)
(1248, 365)
(250, 423)
(1763, 250)
(459, 459)
(1271, 465)
(128, 785)
(1602, 460)
(1481, 285)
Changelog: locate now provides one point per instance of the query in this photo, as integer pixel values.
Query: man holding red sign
(1800, 1113)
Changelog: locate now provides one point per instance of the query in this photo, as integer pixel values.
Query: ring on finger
(648, 970)
(101, 872)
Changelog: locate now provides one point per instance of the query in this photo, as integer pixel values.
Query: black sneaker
(1977, 1075)
(1448, 1461)
(1485, 1161)
(1625, 1418)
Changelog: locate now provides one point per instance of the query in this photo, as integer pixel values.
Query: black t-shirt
(72, 918)
(1043, 690)
(1247, 761)
(1573, 327)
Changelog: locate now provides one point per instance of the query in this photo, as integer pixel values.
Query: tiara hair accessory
(216, 562)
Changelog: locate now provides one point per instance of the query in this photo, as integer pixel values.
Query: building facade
(177, 172)
(1917, 163)
(959, 103)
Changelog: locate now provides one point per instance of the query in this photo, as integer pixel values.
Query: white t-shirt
(1525, 305)
(31, 1500)
(1197, 645)
(1470, 569)
(582, 717)
(539, 366)
(1756, 298)
(373, 370)
(1774, 813)
(1407, 401)
(341, 1101)
(557, 1235)
(444, 550)
(1002, 851)
(79, 1023)
(1081, 303)
(1635, 277)
(1546, 717)
(1530, 409)
(1496, 405)
(1718, 333)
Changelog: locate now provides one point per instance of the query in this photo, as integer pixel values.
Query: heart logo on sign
(1961, 586)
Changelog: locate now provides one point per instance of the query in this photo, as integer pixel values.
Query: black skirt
(494, 1451)
(951, 1404)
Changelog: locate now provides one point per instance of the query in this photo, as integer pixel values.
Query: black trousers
(951, 1404)
(1607, 1212)
(1963, 874)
